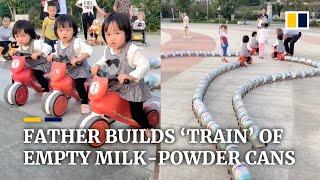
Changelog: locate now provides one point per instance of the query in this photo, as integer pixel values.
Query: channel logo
(298, 20)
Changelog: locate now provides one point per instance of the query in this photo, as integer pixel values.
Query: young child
(185, 19)
(279, 31)
(262, 39)
(26, 38)
(5, 35)
(253, 43)
(48, 25)
(139, 24)
(278, 47)
(95, 29)
(76, 50)
(245, 52)
(131, 64)
(224, 42)
(94, 33)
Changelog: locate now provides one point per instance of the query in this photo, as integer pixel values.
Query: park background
(236, 11)
(151, 8)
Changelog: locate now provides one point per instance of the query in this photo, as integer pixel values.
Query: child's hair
(265, 25)
(222, 26)
(142, 14)
(52, 4)
(280, 36)
(279, 31)
(254, 33)
(245, 38)
(6, 16)
(121, 20)
(64, 21)
(26, 26)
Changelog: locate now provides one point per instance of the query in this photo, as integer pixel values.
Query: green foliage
(151, 8)
(228, 7)
(248, 13)
(166, 10)
(314, 24)
(183, 5)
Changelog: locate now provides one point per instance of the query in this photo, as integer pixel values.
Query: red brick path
(173, 66)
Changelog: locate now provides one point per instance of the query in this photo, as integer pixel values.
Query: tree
(228, 7)
(13, 5)
(183, 5)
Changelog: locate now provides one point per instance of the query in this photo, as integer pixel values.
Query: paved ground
(177, 43)
(292, 105)
(11, 133)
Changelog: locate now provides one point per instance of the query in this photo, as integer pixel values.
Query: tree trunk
(14, 13)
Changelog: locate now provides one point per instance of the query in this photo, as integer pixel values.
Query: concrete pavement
(292, 105)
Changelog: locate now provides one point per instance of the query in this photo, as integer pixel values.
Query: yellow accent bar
(32, 120)
(292, 20)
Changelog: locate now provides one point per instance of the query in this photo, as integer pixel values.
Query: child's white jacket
(136, 60)
(40, 46)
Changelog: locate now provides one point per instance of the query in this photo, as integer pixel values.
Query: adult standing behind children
(42, 13)
(290, 38)
(5, 34)
(88, 14)
(48, 25)
(123, 6)
(263, 18)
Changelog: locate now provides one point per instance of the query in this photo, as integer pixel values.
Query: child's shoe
(85, 108)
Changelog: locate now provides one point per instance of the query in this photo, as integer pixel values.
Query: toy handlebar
(102, 73)
(64, 59)
(30, 61)
(26, 55)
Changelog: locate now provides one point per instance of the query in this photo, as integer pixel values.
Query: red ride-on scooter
(17, 93)
(106, 105)
(275, 54)
(55, 103)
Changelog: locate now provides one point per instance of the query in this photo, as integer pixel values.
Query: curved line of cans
(205, 119)
(239, 171)
(194, 54)
(242, 115)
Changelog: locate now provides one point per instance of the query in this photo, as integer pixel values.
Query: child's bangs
(64, 24)
(121, 21)
(109, 23)
(18, 30)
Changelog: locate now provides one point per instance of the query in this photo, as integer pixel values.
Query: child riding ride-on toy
(55, 103)
(17, 92)
(106, 105)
